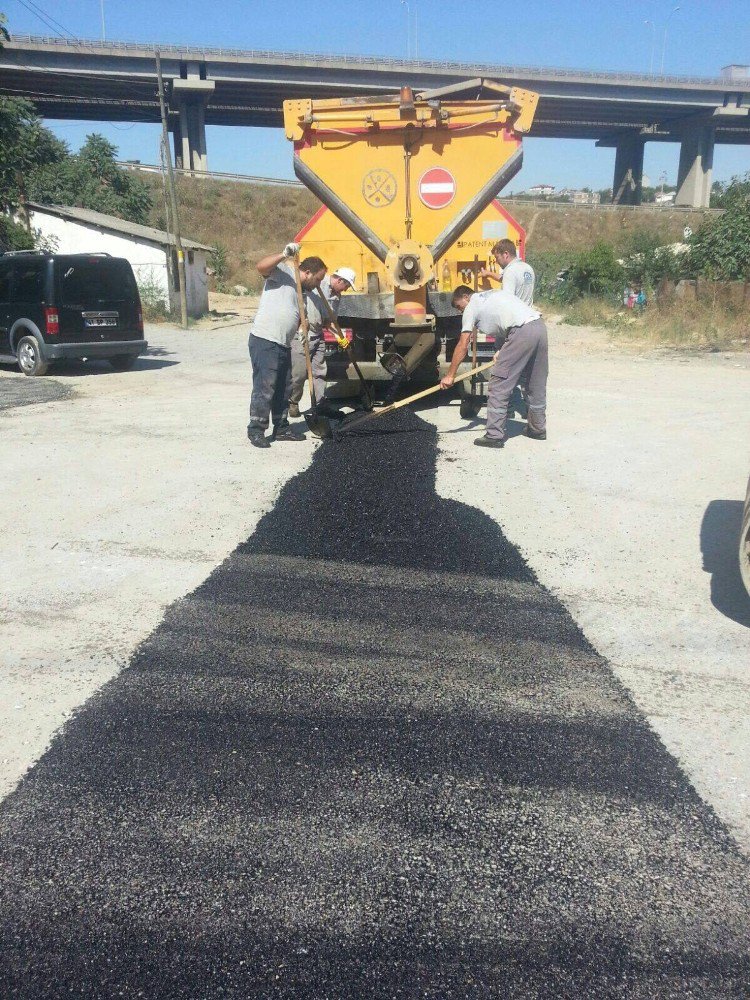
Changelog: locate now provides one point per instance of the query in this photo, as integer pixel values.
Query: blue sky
(700, 39)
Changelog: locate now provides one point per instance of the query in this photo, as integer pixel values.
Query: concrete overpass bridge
(116, 81)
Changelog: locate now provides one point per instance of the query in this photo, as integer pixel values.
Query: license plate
(100, 321)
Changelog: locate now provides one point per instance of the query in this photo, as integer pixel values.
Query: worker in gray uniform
(332, 286)
(517, 276)
(523, 357)
(274, 328)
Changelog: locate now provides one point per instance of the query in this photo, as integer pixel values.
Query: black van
(55, 306)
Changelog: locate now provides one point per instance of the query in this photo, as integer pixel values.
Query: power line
(47, 19)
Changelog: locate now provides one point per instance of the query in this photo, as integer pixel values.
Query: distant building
(541, 190)
(585, 197)
(665, 197)
(150, 251)
(735, 72)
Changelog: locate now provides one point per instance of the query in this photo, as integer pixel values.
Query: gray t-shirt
(277, 318)
(518, 279)
(495, 313)
(317, 314)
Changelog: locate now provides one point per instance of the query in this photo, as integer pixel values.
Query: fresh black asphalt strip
(369, 757)
(22, 391)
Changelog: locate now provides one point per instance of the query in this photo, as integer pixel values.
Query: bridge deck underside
(258, 103)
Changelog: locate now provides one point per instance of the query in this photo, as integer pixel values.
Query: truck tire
(29, 357)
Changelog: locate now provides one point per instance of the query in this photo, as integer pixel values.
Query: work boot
(294, 410)
(257, 437)
(488, 442)
(286, 433)
(536, 435)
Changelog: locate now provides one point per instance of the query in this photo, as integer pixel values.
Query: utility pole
(173, 199)
(104, 29)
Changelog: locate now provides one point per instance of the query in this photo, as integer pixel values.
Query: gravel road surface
(370, 756)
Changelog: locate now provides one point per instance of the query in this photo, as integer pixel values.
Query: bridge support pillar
(696, 166)
(189, 99)
(628, 180)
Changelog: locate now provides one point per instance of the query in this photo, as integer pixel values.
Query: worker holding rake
(332, 286)
(274, 328)
(522, 358)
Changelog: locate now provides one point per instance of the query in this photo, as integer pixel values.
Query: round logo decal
(437, 187)
(379, 188)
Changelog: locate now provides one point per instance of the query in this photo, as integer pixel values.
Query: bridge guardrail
(607, 206)
(481, 69)
(153, 168)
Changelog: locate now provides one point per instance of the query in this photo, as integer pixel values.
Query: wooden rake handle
(305, 329)
(414, 398)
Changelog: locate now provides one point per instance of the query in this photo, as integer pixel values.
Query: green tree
(720, 250)
(92, 179)
(731, 194)
(25, 147)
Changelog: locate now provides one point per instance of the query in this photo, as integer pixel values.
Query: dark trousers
(272, 382)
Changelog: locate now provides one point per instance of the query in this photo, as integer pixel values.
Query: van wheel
(29, 357)
(123, 362)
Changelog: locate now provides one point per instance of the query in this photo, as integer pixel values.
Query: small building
(585, 197)
(665, 197)
(150, 251)
(541, 190)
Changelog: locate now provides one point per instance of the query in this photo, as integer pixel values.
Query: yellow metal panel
(326, 237)
(370, 176)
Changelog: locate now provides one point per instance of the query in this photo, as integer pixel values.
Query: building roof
(112, 224)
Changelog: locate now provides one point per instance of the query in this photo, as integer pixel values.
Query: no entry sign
(437, 187)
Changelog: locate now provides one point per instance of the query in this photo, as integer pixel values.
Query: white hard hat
(347, 273)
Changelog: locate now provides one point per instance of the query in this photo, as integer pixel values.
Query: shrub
(155, 308)
(597, 272)
(648, 262)
(220, 265)
(14, 236)
(720, 250)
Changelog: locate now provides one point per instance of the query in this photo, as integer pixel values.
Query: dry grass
(575, 228)
(705, 324)
(249, 220)
(252, 220)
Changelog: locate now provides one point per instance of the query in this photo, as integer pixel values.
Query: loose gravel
(369, 757)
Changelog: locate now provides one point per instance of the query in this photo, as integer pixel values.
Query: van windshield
(94, 281)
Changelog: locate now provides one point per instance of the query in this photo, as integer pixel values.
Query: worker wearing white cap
(333, 286)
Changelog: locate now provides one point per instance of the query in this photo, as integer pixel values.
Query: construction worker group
(279, 363)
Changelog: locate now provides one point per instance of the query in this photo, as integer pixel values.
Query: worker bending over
(274, 327)
(332, 286)
(517, 276)
(521, 358)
